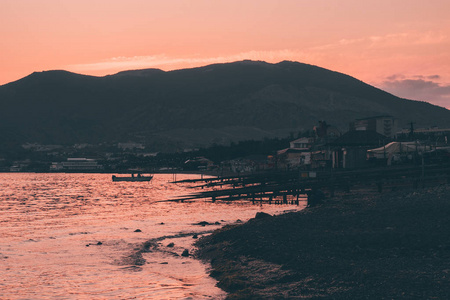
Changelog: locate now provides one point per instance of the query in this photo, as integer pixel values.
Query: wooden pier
(293, 187)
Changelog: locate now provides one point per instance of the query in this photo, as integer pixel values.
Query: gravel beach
(360, 245)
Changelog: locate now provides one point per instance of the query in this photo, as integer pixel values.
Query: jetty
(294, 186)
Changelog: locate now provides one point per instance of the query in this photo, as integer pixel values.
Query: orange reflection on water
(51, 226)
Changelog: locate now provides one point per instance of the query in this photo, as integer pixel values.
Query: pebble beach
(359, 245)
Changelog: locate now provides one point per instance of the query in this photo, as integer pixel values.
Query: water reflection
(67, 236)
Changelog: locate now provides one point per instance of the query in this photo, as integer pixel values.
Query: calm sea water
(75, 236)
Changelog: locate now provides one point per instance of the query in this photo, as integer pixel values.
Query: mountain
(191, 107)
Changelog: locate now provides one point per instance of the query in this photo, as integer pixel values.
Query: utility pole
(411, 130)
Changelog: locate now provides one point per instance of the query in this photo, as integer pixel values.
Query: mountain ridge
(153, 106)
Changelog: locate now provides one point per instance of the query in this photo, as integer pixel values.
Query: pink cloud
(419, 87)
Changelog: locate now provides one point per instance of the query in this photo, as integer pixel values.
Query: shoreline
(353, 246)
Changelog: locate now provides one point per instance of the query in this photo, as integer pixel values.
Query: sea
(83, 236)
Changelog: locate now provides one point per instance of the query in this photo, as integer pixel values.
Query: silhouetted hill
(190, 107)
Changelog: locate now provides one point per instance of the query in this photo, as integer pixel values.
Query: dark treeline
(114, 160)
(219, 153)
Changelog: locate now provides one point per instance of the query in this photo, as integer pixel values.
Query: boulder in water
(202, 223)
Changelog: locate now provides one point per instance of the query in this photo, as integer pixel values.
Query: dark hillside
(195, 107)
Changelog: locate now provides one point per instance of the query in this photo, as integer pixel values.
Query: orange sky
(402, 46)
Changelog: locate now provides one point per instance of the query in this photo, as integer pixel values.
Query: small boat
(133, 177)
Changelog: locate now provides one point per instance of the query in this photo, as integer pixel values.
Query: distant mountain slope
(191, 107)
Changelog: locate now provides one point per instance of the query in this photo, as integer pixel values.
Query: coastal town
(369, 142)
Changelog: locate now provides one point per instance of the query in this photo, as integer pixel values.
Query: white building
(385, 125)
(76, 164)
(302, 143)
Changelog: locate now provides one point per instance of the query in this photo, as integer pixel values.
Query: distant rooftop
(375, 117)
(361, 138)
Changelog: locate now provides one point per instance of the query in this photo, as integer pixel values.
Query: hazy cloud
(170, 63)
(431, 77)
(418, 87)
(395, 77)
(391, 40)
(359, 48)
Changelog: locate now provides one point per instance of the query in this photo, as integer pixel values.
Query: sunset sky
(402, 46)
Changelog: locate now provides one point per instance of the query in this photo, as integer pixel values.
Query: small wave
(132, 268)
(136, 259)
(178, 235)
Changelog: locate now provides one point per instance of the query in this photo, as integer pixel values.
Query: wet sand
(363, 245)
